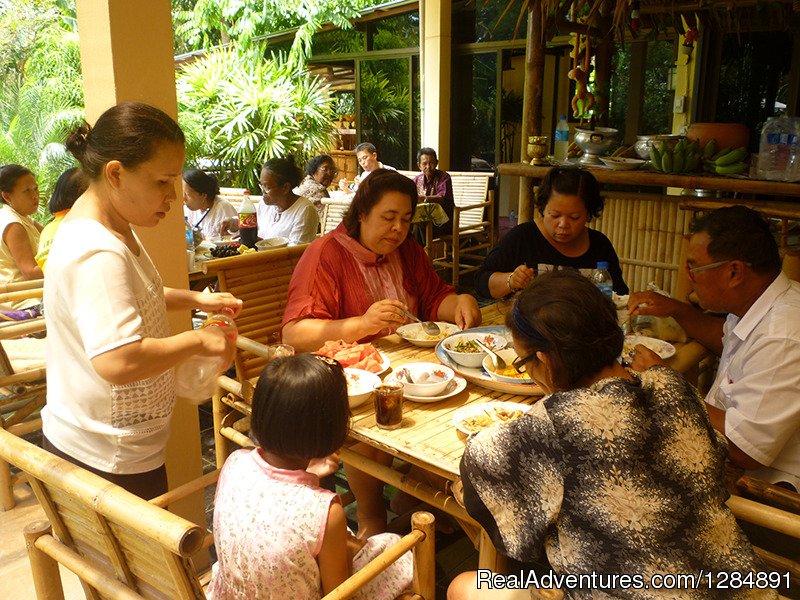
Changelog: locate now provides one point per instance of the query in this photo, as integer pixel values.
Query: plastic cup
(389, 404)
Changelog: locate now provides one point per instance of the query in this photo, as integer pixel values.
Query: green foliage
(385, 106)
(211, 22)
(42, 96)
(238, 109)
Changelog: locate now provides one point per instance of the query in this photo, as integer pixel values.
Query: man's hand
(652, 303)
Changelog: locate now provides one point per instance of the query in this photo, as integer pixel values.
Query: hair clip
(326, 360)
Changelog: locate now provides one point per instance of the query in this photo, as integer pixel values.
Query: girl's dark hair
(284, 170)
(369, 193)
(69, 187)
(571, 181)
(564, 315)
(300, 407)
(202, 183)
(128, 132)
(740, 233)
(9, 175)
(316, 162)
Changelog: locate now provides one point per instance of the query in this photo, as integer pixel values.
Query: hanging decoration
(583, 100)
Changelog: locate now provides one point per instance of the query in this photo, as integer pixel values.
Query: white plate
(456, 386)
(663, 349)
(508, 355)
(618, 163)
(270, 243)
(412, 333)
(481, 408)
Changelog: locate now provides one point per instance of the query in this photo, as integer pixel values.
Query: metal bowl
(595, 142)
(643, 142)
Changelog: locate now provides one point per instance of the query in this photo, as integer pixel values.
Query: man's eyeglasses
(519, 363)
(694, 270)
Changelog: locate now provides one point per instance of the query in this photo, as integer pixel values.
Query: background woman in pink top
(277, 533)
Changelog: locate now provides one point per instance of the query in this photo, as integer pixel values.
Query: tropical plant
(42, 96)
(385, 104)
(238, 109)
(213, 22)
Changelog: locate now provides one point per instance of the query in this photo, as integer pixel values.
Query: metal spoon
(497, 360)
(429, 327)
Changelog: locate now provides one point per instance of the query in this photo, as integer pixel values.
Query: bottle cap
(562, 117)
(602, 264)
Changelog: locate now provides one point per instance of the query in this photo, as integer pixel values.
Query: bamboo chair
(123, 547)
(261, 280)
(773, 508)
(334, 209)
(24, 392)
(473, 234)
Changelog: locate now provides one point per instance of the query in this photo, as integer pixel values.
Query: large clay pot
(728, 135)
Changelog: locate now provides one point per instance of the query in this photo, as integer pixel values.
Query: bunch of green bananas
(685, 157)
(728, 161)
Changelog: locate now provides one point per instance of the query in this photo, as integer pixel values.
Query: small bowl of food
(463, 349)
(360, 384)
(424, 379)
(509, 374)
(414, 333)
(269, 243)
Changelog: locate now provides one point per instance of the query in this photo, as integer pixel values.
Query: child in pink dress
(277, 533)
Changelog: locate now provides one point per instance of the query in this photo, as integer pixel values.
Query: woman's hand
(343, 185)
(520, 278)
(217, 341)
(467, 313)
(217, 301)
(383, 314)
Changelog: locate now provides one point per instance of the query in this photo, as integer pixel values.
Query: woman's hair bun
(77, 140)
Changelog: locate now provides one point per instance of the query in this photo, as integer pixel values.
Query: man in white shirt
(734, 263)
(367, 156)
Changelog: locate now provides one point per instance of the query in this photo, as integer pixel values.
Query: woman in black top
(567, 199)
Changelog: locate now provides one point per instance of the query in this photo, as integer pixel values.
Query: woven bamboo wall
(646, 231)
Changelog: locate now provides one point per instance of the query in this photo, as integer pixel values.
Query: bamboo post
(6, 486)
(218, 411)
(488, 558)
(425, 555)
(46, 577)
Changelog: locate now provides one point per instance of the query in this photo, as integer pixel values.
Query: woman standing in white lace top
(110, 357)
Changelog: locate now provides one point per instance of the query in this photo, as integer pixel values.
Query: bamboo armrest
(252, 346)
(765, 516)
(768, 491)
(12, 329)
(28, 376)
(21, 295)
(187, 489)
(21, 285)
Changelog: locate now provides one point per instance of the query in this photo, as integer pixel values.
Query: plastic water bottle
(189, 235)
(248, 222)
(196, 377)
(561, 139)
(602, 279)
(778, 136)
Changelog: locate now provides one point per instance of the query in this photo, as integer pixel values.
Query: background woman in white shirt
(282, 212)
(110, 355)
(206, 211)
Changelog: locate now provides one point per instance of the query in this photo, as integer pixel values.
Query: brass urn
(537, 149)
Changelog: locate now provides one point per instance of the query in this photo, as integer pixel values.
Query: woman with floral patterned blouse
(613, 473)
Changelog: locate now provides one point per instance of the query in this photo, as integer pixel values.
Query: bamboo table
(427, 437)
(429, 440)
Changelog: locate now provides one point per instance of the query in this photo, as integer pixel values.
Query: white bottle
(774, 153)
(602, 279)
(561, 139)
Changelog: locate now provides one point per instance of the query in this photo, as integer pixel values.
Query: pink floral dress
(268, 530)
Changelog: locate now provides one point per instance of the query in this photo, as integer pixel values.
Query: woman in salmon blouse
(353, 284)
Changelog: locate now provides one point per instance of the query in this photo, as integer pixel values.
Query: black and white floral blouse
(622, 477)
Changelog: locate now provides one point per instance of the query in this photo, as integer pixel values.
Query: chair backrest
(232, 195)
(113, 532)
(333, 213)
(261, 281)
(470, 188)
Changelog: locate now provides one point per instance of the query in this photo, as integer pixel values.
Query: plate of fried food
(477, 417)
